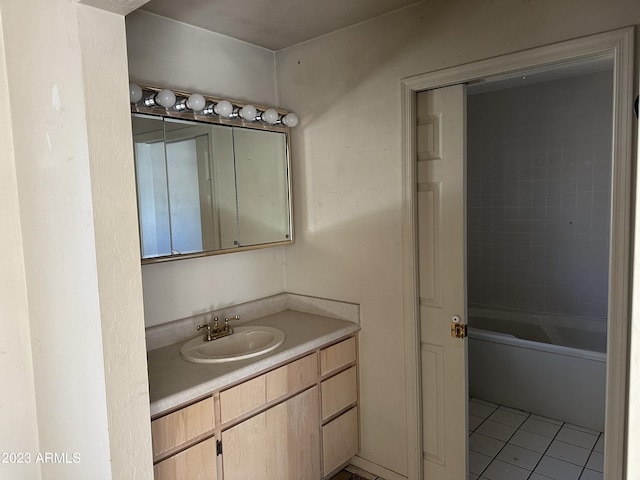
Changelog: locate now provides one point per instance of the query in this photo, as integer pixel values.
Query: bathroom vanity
(291, 413)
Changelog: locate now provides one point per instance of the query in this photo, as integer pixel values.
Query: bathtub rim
(508, 339)
(592, 324)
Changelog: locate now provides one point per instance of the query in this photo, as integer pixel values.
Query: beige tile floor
(509, 444)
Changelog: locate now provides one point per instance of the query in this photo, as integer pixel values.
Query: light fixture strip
(142, 106)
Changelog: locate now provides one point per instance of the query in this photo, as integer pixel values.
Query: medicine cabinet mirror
(206, 188)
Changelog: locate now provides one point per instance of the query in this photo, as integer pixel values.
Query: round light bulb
(270, 116)
(135, 93)
(223, 108)
(196, 102)
(166, 98)
(248, 113)
(290, 119)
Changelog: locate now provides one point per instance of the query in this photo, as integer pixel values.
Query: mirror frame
(159, 111)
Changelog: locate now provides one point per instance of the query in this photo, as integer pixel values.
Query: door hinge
(458, 330)
(218, 447)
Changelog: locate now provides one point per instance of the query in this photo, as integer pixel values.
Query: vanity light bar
(145, 97)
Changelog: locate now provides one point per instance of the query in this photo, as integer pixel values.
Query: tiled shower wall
(539, 188)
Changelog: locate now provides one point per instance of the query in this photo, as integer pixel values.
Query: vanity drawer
(194, 463)
(338, 392)
(338, 355)
(340, 440)
(292, 376)
(179, 427)
(256, 392)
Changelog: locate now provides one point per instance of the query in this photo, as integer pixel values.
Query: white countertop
(174, 381)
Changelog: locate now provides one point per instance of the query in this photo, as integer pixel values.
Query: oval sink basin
(244, 342)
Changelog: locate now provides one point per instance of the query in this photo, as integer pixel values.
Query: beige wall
(74, 296)
(19, 431)
(347, 163)
(195, 60)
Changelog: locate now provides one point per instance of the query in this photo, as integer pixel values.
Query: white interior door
(442, 267)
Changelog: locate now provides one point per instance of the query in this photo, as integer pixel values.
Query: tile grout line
(512, 435)
(476, 429)
(506, 441)
(545, 453)
(593, 449)
(531, 472)
(584, 467)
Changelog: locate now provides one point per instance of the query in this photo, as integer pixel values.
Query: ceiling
(273, 24)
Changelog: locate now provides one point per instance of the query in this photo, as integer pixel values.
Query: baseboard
(376, 469)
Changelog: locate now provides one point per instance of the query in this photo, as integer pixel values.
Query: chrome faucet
(216, 331)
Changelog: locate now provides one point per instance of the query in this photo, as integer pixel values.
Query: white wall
(75, 301)
(199, 61)
(347, 164)
(539, 196)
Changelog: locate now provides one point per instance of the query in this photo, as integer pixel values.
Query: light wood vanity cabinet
(340, 432)
(265, 388)
(280, 443)
(179, 452)
(195, 463)
(298, 421)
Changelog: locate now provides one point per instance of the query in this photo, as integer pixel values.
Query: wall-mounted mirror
(207, 188)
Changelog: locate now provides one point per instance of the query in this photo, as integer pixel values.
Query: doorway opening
(539, 172)
(435, 452)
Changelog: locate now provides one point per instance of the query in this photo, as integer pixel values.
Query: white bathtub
(552, 366)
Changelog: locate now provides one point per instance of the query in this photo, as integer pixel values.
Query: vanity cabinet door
(195, 463)
(281, 443)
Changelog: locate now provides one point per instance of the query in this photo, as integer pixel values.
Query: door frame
(618, 43)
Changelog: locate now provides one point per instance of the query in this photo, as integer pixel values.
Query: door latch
(458, 329)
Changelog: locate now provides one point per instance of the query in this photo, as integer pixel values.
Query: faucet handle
(228, 319)
(209, 336)
(208, 325)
